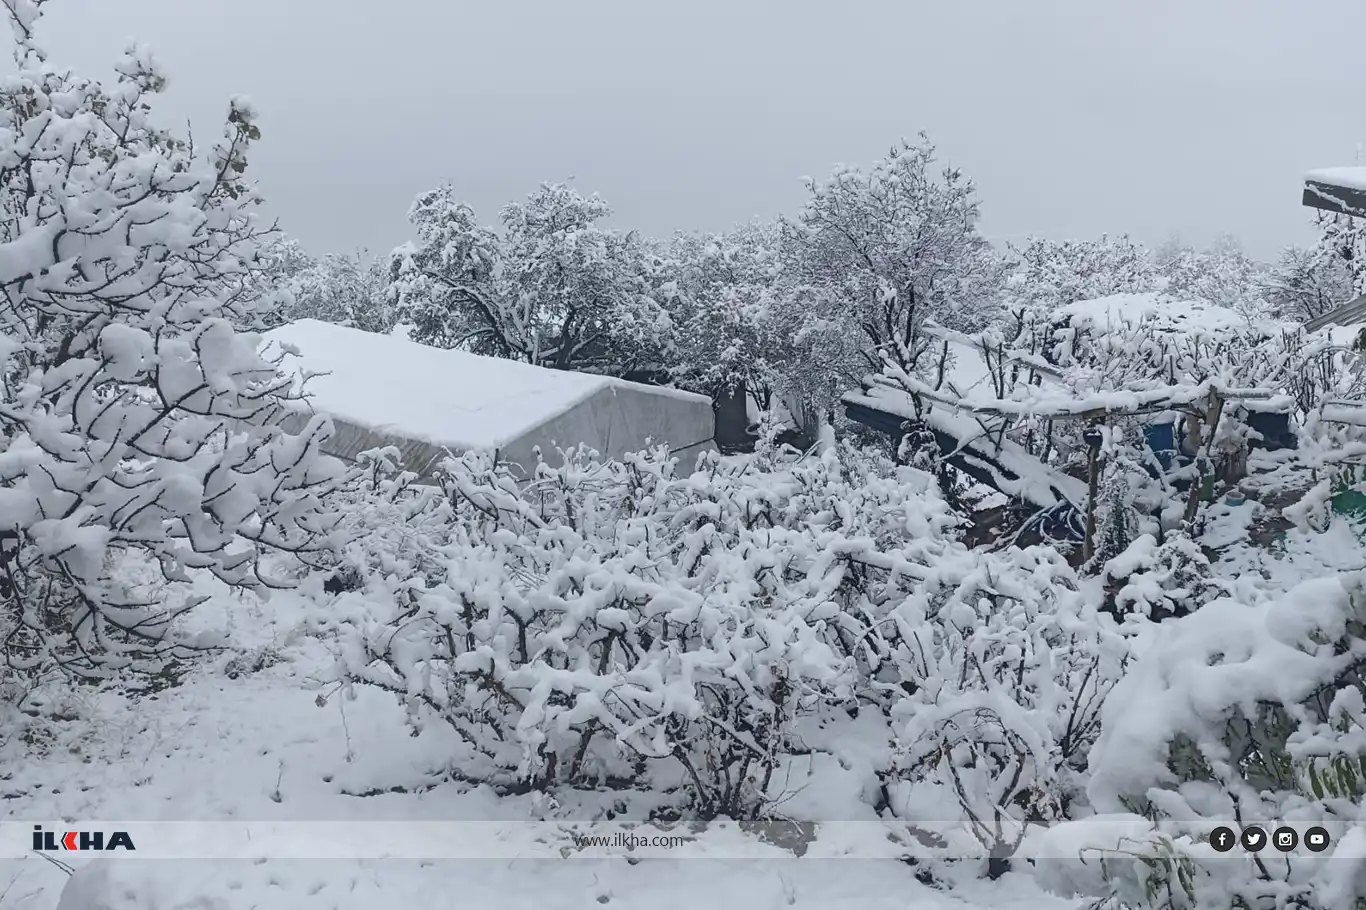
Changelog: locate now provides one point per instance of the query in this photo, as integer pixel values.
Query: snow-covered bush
(1005, 666)
(610, 620)
(1160, 580)
(137, 426)
(607, 615)
(1242, 713)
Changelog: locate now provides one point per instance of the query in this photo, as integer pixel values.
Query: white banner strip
(353, 840)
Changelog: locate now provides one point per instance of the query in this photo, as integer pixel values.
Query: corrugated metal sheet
(1351, 313)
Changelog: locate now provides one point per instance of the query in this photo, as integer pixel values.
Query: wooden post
(1214, 409)
(1091, 435)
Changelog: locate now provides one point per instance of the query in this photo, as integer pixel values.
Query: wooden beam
(1169, 399)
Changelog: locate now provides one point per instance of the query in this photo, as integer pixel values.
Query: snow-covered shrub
(607, 615)
(1243, 713)
(1004, 665)
(391, 525)
(137, 426)
(611, 620)
(1160, 580)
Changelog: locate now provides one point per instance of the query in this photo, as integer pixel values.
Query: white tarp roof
(394, 386)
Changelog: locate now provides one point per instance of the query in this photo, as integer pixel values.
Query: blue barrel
(1162, 440)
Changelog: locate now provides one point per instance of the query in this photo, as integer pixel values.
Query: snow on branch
(138, 424)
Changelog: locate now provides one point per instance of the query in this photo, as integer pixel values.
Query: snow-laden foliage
(551, 288)
(280, 260)
(1155, 580)
(136, 423)
(608, 615)
(1308, 282)
(610, 619)
(1006, 666)
(346, 290)
(873, 255)
(1051, 273)
(725, 304)
(1223, 275)
(1240, 713)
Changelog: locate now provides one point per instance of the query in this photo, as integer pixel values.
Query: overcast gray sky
(1075, 117)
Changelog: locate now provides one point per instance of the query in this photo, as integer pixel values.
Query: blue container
(1162, 440)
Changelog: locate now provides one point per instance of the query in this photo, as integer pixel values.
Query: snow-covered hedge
(612, 619)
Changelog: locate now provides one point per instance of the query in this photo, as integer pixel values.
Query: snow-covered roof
(1336, 189)
(1120, 310)
(1352, 178)
(1350, 315)
(389, 384)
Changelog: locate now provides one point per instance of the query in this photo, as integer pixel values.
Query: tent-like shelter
(384, 390)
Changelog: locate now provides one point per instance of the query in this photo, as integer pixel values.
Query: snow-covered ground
(256, 746)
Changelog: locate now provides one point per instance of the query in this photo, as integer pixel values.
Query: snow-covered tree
(1222, 274)
(348, 290)
(551, 288)
(875, 254)
(137, 426)
(1308, 282)
(725, 302)
(1050, 273)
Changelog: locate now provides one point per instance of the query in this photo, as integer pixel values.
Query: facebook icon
(1222, 839)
